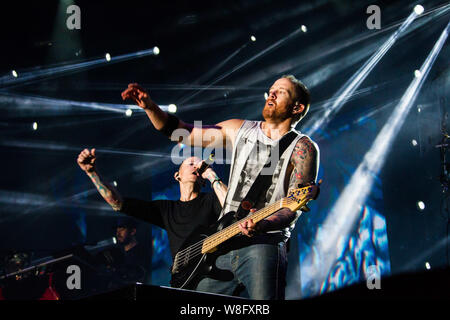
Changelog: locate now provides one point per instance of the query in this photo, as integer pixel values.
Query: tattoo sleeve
(109, 193)
(304, 161)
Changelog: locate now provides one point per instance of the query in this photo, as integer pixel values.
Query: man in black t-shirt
(178, 217)
(136, 260)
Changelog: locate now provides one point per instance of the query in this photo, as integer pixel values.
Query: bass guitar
(196, 258)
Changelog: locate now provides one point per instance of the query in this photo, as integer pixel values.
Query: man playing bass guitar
(259, 263)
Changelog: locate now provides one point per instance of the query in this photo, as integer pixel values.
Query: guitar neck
(210, 243)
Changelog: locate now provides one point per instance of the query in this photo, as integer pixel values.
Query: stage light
(35, 126)
(418, 9)
(253, 38)
(349, 87)
(128, 112)
(114, 240)
(417, 73)
(172, 108)
(414, 142)
(25, 102)
(155, 51)
(421, 205)
(332, 238)
(43, 72)
(108, 57)
(242, 64)
(114, 183)
(419, 109)
(14, 73)
(266, 95)
(304, 28)
(427, 265)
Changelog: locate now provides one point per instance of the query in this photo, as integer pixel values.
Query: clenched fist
(204, 170)
(86, 160)
(138, 94)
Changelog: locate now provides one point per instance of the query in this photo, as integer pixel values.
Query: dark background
(39, 212)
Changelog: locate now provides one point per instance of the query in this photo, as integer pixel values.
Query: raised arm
(220, 188)
(222, 134)
(86, 161)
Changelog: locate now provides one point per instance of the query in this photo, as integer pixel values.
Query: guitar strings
(230, 229)
(195, 249)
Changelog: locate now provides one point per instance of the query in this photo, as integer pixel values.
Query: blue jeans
(259, 271)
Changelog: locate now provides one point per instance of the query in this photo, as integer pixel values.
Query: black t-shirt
(136, 263)
(178, 218)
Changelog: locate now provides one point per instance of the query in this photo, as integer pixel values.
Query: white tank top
(251, 152)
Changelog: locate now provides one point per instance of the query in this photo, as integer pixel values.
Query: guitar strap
(263, 181)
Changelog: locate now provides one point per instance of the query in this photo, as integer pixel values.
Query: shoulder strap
(263, 181)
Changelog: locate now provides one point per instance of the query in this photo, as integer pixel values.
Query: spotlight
(414, 142)
(42, 72)
(417, 73)
(35, 126)
(108, 57)
(427, 265)
(115, 183)
(114, 240)
(266, 95)
(304, 28)
(253, 38)
(418, 9)
(155, 51)
(350, 86)
(172, 108)
(419, 110)
(421, 205)
(14, 73)
(129, 112)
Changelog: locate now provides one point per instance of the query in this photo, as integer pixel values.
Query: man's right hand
(138, 94)
(86, 160)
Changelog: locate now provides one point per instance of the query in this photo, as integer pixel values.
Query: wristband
(170, 126)
(215, 180)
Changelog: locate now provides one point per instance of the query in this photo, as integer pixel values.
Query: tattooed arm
(218, 186)
(86, 161)
(304, 165)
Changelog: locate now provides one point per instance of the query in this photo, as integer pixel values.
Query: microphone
(206, 164)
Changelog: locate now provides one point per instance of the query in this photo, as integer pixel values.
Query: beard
(274, 113)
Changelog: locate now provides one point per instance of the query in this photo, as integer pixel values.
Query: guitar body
(197, 257)
(198, 265)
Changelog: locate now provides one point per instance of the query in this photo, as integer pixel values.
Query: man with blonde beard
(258, 261)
